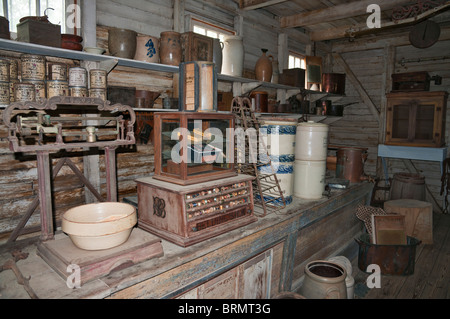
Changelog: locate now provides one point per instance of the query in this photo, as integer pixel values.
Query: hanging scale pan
(424, 34)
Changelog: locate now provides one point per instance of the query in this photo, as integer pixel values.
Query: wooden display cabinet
(193, 147)
(186, 215)
(416, 119)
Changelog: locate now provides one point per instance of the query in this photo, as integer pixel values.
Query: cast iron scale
(75, 124)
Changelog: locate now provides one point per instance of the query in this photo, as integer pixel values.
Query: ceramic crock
(170, 48)
(263, 67)
(324, 280)
(122, 43)
(147, 49)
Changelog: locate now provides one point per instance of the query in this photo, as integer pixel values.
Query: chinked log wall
(373, 61)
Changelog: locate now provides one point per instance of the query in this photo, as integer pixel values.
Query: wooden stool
(418, 217)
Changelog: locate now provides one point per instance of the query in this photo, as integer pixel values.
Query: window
(209, 29)
(296, 61)
(14, 10)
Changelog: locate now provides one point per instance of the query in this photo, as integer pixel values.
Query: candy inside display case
(193, 147)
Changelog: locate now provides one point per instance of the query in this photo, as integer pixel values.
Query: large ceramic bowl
(100, 225)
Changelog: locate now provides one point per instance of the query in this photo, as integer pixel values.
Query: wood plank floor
(431, 278)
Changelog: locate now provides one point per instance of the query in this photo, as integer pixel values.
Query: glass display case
(193, 147)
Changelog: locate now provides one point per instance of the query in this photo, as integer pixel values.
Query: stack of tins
(4, 82)
(311, 144)
(32, 85)
(279, 137)
(98, 82)
(57, 84)
(78, 82)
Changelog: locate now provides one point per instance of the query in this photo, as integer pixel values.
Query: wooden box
(193, 147)
(196, 47)
(410, 82)
(186, 215)
(39, 32)
(293, 77)
(416, 118)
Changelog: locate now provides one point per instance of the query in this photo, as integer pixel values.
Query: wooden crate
(39, 32)
(186, 215)
(293, 77)
(196, 47)
(418, 217)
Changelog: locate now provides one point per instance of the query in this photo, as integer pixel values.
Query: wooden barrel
(408, 186)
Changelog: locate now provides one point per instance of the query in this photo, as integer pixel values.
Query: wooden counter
(255, 261)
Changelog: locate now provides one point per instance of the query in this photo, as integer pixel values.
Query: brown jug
(263, 67)
(170, 48)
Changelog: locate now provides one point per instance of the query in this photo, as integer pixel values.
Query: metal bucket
(350, 163)
(392, 259)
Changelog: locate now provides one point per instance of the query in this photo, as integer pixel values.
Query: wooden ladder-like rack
(266, 188)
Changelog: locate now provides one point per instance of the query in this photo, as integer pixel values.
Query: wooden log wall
(373, 60)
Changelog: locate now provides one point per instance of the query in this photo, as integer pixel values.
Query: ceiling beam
(256, 4)
(341, 11)
(360, 29)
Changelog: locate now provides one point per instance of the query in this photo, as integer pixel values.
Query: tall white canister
(311, 141)
(233, 55)
(279, 137)
(311, 144)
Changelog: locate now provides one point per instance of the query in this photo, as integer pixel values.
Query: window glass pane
(211, 34)
(199, 30)
(291, 62)
(55, 16)
(18, 9)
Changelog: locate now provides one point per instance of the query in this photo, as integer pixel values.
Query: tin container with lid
(57, 88)
(33, 67)
(56, 71)
(97, 79)
(24, 92)
(4, 93)
(98, 93)
(78, 77)
(78, 91)
(4, 70)
(39, 88)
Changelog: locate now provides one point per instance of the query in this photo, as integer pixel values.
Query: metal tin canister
(33, 67)
(4, 93)
(24, 92)
(57, 88)
(78, 91)
(56, 71)
(78, 77)
(97, 79)
(11, 89)
(98, 93)
(13, 69)
(4, 70)
(39, 88)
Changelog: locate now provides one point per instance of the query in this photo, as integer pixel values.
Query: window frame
(297, 55)
(64, 27)
(209, 25)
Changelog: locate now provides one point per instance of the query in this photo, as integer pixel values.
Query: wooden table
(258, 260)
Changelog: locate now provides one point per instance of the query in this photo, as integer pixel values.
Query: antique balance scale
(75, 124)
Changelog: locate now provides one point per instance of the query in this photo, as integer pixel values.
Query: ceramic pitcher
(147, 49)
(170, 48)
(217, 54)
(233, 56)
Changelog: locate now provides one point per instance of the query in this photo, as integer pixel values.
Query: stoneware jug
(170, 48)
(122, 43)
(263, 67)
(233, 56)
(217, 54)
(147, 49)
